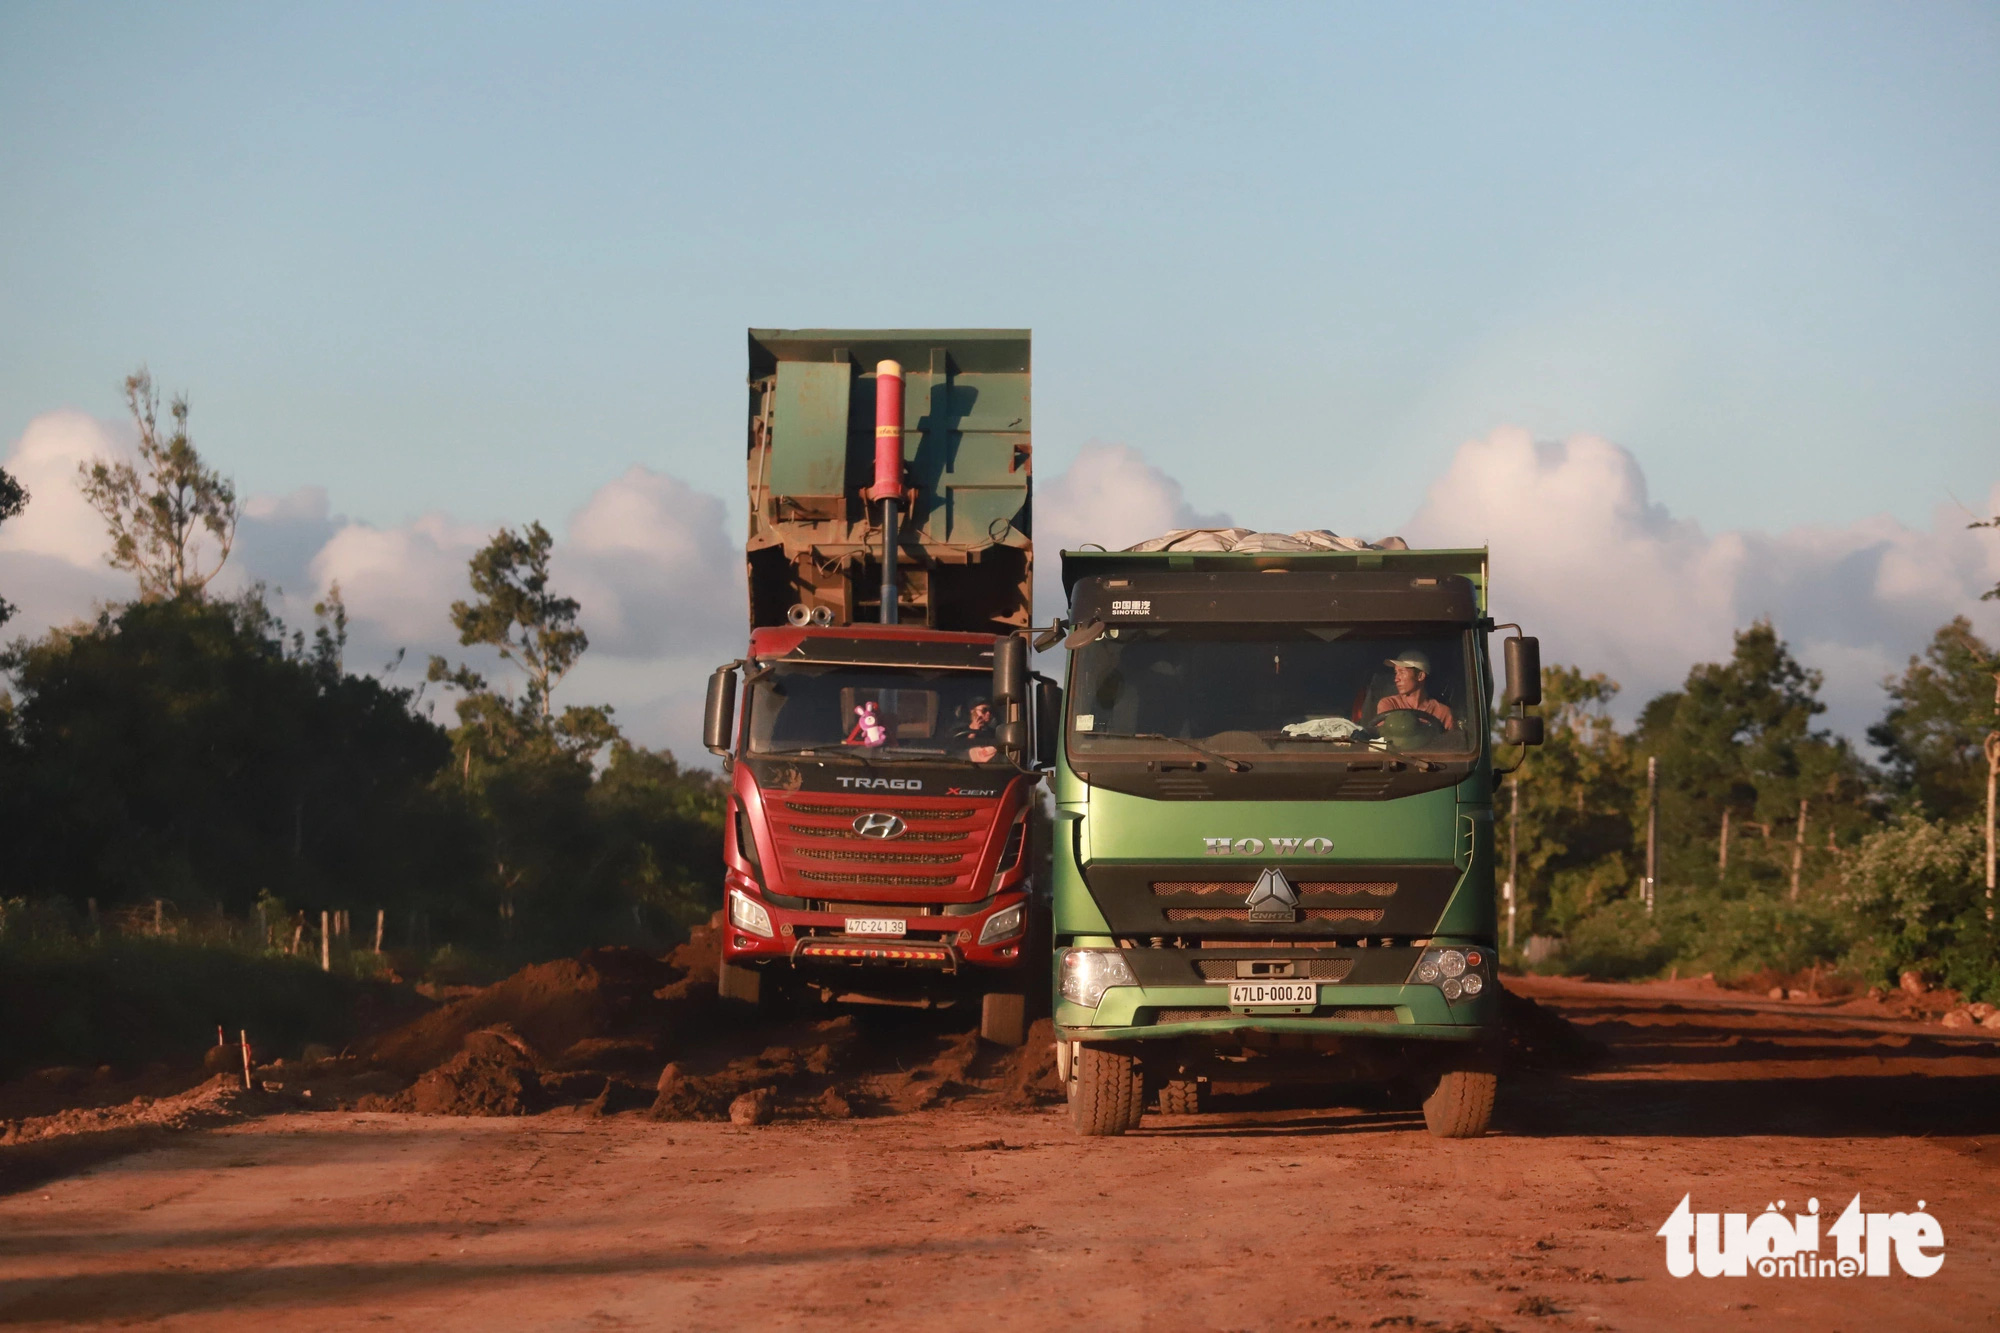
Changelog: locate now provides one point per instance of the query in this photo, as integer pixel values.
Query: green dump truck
(1273, 852)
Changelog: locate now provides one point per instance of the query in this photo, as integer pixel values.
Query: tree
(1992, 594)
(13, 499)
(1737, 743)
(1940, 711)
(176, 749)
(1916, 887)
(518, 615)
(1576, 797)
(158, 511)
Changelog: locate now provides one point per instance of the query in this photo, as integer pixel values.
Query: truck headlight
(746, 913)
(1456, 972)
(1088, 973)
(1004, 924)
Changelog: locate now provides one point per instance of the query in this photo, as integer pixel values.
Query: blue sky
(483, 257)
(1691, 312)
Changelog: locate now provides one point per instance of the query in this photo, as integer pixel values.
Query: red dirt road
(1249, 1217)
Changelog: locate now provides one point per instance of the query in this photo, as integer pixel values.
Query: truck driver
(1412, 669)
(976, 736)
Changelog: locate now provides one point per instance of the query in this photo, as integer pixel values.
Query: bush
(127, 1002)
(1918, 889)
(1703, 930)
(1618, 941)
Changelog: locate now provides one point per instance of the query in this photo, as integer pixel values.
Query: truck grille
(1356, 914)
(1309, 969)
(882, 881)
(850, 811)
(910, 835)
(1166, 888)
(902, 858)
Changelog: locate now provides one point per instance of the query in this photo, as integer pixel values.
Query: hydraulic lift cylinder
(888, 486)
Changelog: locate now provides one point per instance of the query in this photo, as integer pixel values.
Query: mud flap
(743, 984)
(1003, 1018)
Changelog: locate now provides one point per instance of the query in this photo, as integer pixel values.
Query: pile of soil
(616, 1030)
(221, 1098)
(1538, 1037)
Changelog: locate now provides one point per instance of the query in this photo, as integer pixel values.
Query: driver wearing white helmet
(1412, 669)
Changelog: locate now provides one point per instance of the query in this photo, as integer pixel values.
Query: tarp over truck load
(964, 550)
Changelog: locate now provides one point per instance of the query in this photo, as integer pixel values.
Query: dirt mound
(614, 1030)
(221, 1098)
(550, 1007)
(493, 1074)
(1540, 1038)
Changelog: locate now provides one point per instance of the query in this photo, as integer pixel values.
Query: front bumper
(934, 942)
(1388, 1011)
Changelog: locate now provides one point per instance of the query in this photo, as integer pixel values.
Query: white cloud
(655, 568)
(1580, 554)
(52, 553)
(1109, 495)
(1612, 582)
(399, 582)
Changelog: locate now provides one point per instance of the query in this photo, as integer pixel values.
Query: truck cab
(1273, 855)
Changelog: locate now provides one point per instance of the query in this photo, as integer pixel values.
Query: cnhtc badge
(1273, 898)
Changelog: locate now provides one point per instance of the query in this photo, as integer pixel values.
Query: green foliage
(1992, 594)
(1575, 797)
(1738, 738)
(175, 749)
(13, 499)
(132, 1001)
(519, 616)
(157, 511)
(1919, 888)
(1940, 711)
(1705, 932)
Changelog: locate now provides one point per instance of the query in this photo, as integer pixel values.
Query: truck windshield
(872, 712)
(1314, 689)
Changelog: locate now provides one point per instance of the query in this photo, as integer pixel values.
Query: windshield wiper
(1233, 765)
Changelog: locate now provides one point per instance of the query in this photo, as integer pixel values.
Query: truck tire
(1104, 1092)
(744, 984)
(1180, 1096)
(1003, 1018)
(1461, 1106)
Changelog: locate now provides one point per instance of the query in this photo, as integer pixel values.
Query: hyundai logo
(879, 824)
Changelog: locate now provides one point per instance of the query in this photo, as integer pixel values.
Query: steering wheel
(1408, 728)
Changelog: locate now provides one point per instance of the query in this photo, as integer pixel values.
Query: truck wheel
(1104, 1092)
(1461, 1106)
(1180, 1096)
(1003, 1018)
(744, 984)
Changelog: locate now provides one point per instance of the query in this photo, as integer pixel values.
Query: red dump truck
(882, 751)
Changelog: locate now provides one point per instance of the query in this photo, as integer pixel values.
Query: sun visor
(1282, 596)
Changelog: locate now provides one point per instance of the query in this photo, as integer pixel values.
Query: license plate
(1273, 992)
(877, 925)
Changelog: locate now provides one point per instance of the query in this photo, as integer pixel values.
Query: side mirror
(1010, 671)
(1522, 730)
(1010, 694)
(1524, 672)
(1048, 721)
(718, 716)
